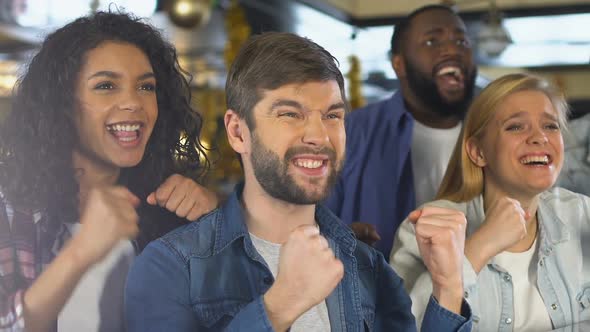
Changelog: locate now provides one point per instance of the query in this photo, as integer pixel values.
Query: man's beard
(273, 173)
(426, 90)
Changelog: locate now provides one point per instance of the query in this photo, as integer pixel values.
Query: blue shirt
(207, 276)
(376, 184)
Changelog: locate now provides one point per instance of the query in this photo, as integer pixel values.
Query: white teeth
(308, 163)
(535, 159)
(449, 70)
(119, 127)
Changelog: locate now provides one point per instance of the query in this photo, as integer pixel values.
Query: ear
(398, 64)
(475, 152)
(237, 131)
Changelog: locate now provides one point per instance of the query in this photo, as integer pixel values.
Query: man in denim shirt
(271, 259)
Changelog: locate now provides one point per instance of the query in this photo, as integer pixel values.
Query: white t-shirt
(97, 301)
(431, 151)
(530, 313)
(315, 319)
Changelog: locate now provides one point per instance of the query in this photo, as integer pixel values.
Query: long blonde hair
(463, 179)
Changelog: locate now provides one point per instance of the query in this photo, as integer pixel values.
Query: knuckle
(170, 206)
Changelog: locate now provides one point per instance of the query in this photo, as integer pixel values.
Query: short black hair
(271, 60)
(400, 30)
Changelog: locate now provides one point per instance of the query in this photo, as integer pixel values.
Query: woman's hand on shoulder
(184, 197)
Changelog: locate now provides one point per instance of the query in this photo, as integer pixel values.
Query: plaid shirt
(26, 247)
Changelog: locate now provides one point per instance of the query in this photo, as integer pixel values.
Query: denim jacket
(575, 175)
(563, 265)
(207, 276)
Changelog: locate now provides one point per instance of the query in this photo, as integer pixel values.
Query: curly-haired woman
(100, 128)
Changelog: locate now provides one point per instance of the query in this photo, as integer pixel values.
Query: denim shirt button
(541, 262)
(507, 277)
(466, 294)
(475, 319)
(267, 280)
(554, 306)
(508, 321)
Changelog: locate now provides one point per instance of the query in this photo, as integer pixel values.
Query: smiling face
(297, 147)
(117, 110)
(438, 61)
(521, 150)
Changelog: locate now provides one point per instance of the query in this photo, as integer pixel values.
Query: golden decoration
(225, 170)
(237, 30)
(355, 82)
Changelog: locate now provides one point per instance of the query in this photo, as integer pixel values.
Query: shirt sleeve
(437, 318)
(11, 291)
(157, 297)
(393, 305)
(11, 316)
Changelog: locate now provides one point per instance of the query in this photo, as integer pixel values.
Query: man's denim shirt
(207, 276)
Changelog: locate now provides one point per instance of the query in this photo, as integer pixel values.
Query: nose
(315, 132)
(130, 102)
(450, 47)
(538, 136)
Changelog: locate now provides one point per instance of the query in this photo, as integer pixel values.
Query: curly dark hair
(38, 136)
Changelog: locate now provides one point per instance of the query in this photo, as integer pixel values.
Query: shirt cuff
(437, 318)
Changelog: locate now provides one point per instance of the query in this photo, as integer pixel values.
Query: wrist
(279, 310)
(449, 298)
(478, 251)
(75, 252)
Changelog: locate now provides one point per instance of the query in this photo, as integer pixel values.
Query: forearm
(477, 251)
(47, 296)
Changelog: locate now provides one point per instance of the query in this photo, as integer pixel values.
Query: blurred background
(548, 37)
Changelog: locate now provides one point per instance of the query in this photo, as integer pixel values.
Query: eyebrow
(522, 113)
(114, 75)
(297, 105)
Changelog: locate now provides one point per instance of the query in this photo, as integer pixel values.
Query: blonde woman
(527, 265)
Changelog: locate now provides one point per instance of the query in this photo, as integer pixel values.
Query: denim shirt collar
(232, 225)
(396, 102)
(552, 228)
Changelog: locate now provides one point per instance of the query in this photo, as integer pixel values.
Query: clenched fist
(440, 234)
(504, 226)
(308, 272)
(107, 216)
(184, 197)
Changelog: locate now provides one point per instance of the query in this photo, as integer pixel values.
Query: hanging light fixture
(189, 13)
(493, 38)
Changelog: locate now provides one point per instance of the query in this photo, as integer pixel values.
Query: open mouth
(543, 160)
(451, 75)
(125, 132)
